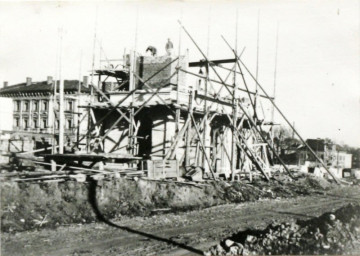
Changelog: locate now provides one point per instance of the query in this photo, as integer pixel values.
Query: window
(26, 123)
(45, 105)
(36, 106)
(69, 124)
(44, 123)
(17, 122)
(26, 106)
(35, 121)
(57, 124)
(17, 105)
(70, 105)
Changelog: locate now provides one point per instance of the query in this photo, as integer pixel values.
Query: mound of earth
(30, 205)
(332, 233)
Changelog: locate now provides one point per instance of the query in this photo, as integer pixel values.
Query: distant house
(331, 154)
(319, 147)
(35, 112)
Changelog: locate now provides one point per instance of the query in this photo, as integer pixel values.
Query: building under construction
(171, 117)
(176, 116)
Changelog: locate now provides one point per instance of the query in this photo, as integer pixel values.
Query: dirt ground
(184, 233)
(33, 205)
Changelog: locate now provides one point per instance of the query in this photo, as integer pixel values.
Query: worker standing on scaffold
(169, 47)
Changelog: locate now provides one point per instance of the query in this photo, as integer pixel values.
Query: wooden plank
(41, 178)
(77, 168)
(212, 99)
(162, 169)
(210, 62)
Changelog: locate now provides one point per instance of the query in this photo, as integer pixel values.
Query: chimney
(6, 84)
(28, 81)
(86, 81)
(49, 80)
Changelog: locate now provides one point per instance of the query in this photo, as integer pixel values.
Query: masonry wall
(147, 66)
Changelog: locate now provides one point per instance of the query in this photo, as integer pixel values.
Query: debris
(78, 177)
(195, 174)
(331, 233)
(229, 243)
(42, 221)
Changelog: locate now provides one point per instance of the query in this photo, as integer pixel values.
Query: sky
(318, 56)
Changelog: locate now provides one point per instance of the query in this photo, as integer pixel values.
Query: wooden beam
(203, 63)
(218, 82)
(110, 103)
(202, 146)
(212, 99)
(188, 135)
(172, 150)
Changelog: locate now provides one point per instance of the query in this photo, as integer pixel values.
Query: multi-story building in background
(35, 113)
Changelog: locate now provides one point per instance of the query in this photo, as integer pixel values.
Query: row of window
(25, 105)
(35, 105)
(43, 123)
(68, 124)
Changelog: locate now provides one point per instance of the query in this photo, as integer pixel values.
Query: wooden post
(101, 166)
(257, 66)
(131, 131)
(233, 145)
(177, 120)
(188, 134)
(235, 114)
(214, 149)
(131, 112)
(78, 127)
(53, 166)
(61, 114)
(205, 116)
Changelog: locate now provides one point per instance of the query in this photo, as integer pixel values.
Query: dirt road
(175, 234)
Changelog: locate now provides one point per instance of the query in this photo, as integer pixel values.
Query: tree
(284, 139)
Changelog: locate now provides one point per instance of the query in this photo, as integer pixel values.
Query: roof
(316, 144)
(43, 86)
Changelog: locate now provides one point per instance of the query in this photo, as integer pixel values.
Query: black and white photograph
(180, 127)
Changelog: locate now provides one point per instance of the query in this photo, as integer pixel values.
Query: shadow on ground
(93, 202)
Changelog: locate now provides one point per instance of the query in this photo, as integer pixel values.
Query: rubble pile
(331, 233)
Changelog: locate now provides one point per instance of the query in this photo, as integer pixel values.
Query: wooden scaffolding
(209, 122)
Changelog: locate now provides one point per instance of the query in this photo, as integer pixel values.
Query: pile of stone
(331, 233)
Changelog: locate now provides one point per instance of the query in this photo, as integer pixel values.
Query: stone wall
(147, 66)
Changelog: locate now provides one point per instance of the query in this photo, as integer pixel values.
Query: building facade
(35, 112)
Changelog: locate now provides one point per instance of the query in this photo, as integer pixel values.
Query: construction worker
(152, 50)
(169, 47)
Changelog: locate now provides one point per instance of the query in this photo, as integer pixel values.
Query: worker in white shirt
(169, 47)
